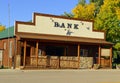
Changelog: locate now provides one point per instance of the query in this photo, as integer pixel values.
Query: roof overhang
(63, 38)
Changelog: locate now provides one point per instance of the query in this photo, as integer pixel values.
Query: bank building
(54, 42)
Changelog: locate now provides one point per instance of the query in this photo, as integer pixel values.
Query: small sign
(105, 52)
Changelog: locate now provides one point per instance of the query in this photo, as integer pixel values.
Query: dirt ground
(60, 76)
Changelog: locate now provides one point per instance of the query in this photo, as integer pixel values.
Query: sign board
(105, 52)
(53, 25)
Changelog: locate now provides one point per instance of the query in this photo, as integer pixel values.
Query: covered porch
(61, 54)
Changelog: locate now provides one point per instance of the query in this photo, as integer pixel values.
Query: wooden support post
(111, 57)
(36, 53)
(78, 56)
(99, 55)
(25, 43)
(17, 53)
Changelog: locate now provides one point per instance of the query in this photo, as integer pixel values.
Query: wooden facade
(8, 52)
(47, 48)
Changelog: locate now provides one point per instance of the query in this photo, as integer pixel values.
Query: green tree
(67, 15)
(93, 1)
(107, 20)
(117, 46)
(96, 1)
(82, 2)
(98, 4)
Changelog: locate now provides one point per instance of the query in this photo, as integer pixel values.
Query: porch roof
(64, 38)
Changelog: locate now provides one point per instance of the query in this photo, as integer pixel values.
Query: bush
(2, 67)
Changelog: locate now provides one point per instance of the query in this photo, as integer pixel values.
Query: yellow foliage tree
(115, 5)
(84, 11)
(108, 19)
(2, 28)
(118, 12)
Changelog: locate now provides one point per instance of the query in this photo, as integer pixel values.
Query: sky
(22, 10)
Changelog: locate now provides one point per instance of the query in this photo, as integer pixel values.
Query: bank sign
(56, 25)
(67, 27)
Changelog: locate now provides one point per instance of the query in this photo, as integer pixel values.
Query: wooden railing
(64, 62)
(55, 61)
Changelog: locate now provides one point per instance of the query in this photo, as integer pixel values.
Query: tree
(70, 15)
(117, 46)
(93, 1)
(107, 20)
(118, 12)
(82, 2)
(84, 11)
(2, 28)
(106, 15)
(98, 4)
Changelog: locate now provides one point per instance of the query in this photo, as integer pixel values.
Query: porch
(60, 55)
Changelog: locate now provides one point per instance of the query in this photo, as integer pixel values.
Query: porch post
(36, 53)
(111, 57)
(17, 53)
(99, 55)
(78, 54)
(25, 42)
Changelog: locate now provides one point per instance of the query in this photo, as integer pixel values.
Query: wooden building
(7, 47)
(51, 41)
